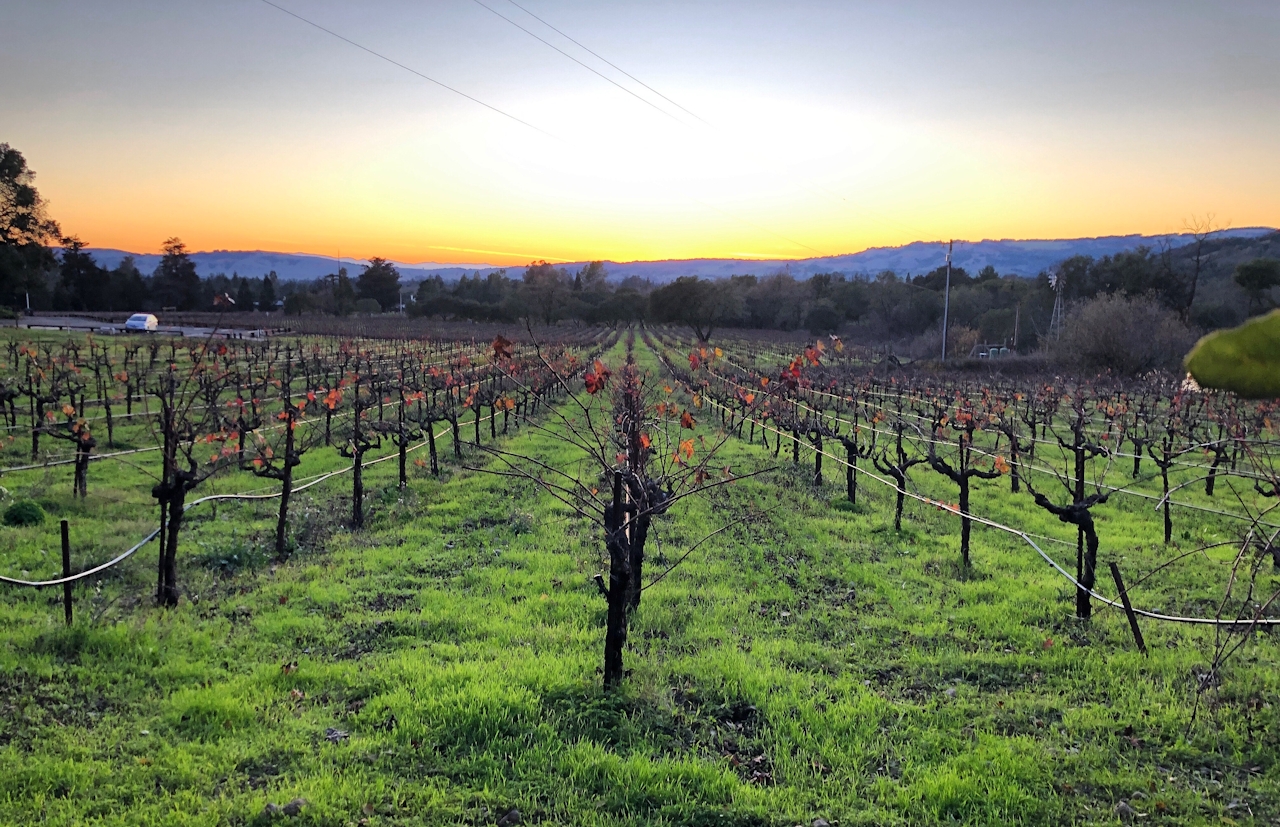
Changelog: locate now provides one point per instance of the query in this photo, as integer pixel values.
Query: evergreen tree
(380, 281)
(344, 293)
(25, 229)
(128, 291)
(175, 282)
(245, 295)
(267, 296)
(81, 282)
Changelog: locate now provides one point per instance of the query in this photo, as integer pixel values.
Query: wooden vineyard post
(1128, 610)
(66, 571)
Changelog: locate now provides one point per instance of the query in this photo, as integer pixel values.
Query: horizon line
(754, 258)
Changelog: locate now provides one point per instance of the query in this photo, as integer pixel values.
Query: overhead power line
(589, 68)
(643, 100)
(815, 189)
(490, 107)
(606, 60)
(411, 70)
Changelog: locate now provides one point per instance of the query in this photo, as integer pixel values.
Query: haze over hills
(288, 266)
(1008, 256)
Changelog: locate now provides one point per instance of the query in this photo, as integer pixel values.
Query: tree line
(1212, 282)
(79, 283)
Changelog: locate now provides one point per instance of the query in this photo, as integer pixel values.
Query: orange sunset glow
(790, 132)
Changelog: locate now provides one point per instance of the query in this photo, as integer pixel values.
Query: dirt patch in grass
(29, 704)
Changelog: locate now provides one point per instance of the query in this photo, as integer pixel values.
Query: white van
(142, 321)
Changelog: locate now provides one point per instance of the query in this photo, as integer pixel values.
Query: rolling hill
(1008, 256)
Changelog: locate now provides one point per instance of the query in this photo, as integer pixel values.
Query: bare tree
(1200, 228)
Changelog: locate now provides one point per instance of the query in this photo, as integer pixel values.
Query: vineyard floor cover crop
(441, 664)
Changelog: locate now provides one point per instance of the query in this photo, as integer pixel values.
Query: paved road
(95, 326)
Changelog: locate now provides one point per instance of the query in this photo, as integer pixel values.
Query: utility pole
(1017, 317)
(946, 300)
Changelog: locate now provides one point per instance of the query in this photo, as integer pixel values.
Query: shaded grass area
(808, 662)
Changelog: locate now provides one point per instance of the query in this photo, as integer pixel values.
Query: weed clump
(236, 556)
(24, 513)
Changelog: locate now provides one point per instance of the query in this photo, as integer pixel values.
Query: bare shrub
(1124, 335)
(960, 342)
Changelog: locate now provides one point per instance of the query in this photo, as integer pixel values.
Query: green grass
(809, 662)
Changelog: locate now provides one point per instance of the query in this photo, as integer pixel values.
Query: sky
(773, 130)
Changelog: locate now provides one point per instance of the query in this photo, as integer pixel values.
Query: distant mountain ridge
(1008, 256)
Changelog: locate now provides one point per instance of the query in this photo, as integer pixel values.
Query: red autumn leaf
(645, 442)
(687, 421)
(501, 348)
(597, 378)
